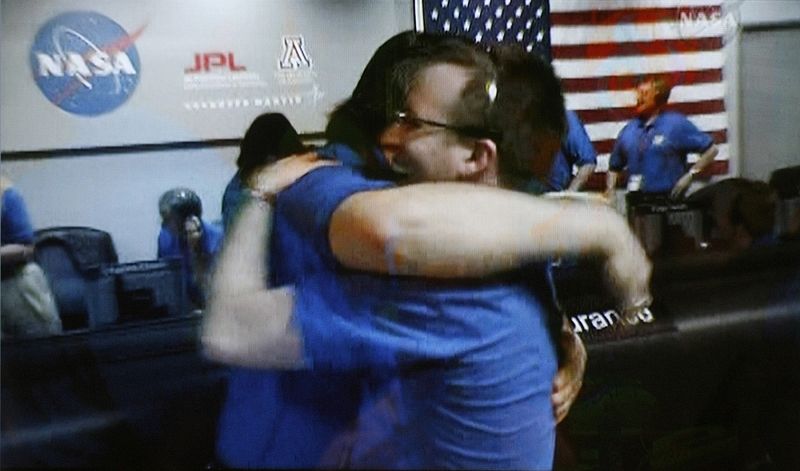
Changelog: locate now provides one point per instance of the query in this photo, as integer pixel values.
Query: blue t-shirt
(289, 418)
(657, 151)
(16, 225)
(170, 245)
(576, 149)
(471, 359)
(474, 360)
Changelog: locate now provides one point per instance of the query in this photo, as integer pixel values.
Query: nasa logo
(85, 63)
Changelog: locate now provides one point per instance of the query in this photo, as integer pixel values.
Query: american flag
(602, 48)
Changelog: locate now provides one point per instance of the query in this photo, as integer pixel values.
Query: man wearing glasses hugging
(455, 353)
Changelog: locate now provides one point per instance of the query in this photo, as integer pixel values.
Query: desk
(719, 375)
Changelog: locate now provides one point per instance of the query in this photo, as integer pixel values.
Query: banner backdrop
(79, 74)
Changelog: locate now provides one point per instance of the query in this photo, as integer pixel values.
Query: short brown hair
(530, 112)
(663, 87)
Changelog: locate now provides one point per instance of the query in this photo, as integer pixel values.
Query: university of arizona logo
(85, 63)
(294, 55)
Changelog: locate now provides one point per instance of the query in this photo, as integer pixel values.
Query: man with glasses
(474, 358)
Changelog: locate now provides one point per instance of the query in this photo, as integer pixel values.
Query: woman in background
(269, 138)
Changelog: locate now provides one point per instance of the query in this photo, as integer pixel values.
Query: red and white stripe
(602, 48)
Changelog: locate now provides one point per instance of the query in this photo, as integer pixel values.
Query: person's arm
(611, 184)
(448, 230)
(705, 159)
(17, 228)
(579, 145)
(245, 323)
(569, 378)
(584, 172)
(13, 255)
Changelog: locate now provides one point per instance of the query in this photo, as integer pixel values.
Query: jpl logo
(85, 63)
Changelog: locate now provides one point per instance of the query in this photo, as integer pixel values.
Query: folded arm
(569, 378)
(246, 324)
(448, 230)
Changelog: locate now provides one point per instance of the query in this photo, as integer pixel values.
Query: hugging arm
(448, 230)
(247, 324)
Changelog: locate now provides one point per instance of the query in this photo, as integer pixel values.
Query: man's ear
(482, 165)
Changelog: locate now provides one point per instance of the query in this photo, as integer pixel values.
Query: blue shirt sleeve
(309, 203)
(168, 245)
(578, 147)
(16, 225)
(212, 238)
(322, 311)
(231, 201)
(688, 138)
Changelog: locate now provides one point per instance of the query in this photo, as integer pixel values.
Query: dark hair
(270, 137)
(385, 82)
(181, 203)
(754, 209)
(530, 112)
(360, 119)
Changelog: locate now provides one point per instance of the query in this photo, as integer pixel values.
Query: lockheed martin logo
(85, 63)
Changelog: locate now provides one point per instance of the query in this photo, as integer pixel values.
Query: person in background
(28, 306)
(653, 147)
(576, 150)
(741, 213)
(270, 137)
(186, 235)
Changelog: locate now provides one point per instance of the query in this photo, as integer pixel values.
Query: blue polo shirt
(15, 226)
(405, 372)
(576, 149)
(289, 418)
(657, 151)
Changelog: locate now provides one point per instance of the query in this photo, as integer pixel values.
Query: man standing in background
(653, 147)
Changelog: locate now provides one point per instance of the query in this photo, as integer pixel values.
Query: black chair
(786, 181)
(71, 258)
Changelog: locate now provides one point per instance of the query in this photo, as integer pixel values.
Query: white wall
(770, 94)
(763, 12)
(119, 193)
(768, 91)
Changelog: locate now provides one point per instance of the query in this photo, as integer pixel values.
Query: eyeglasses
(406, 119)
